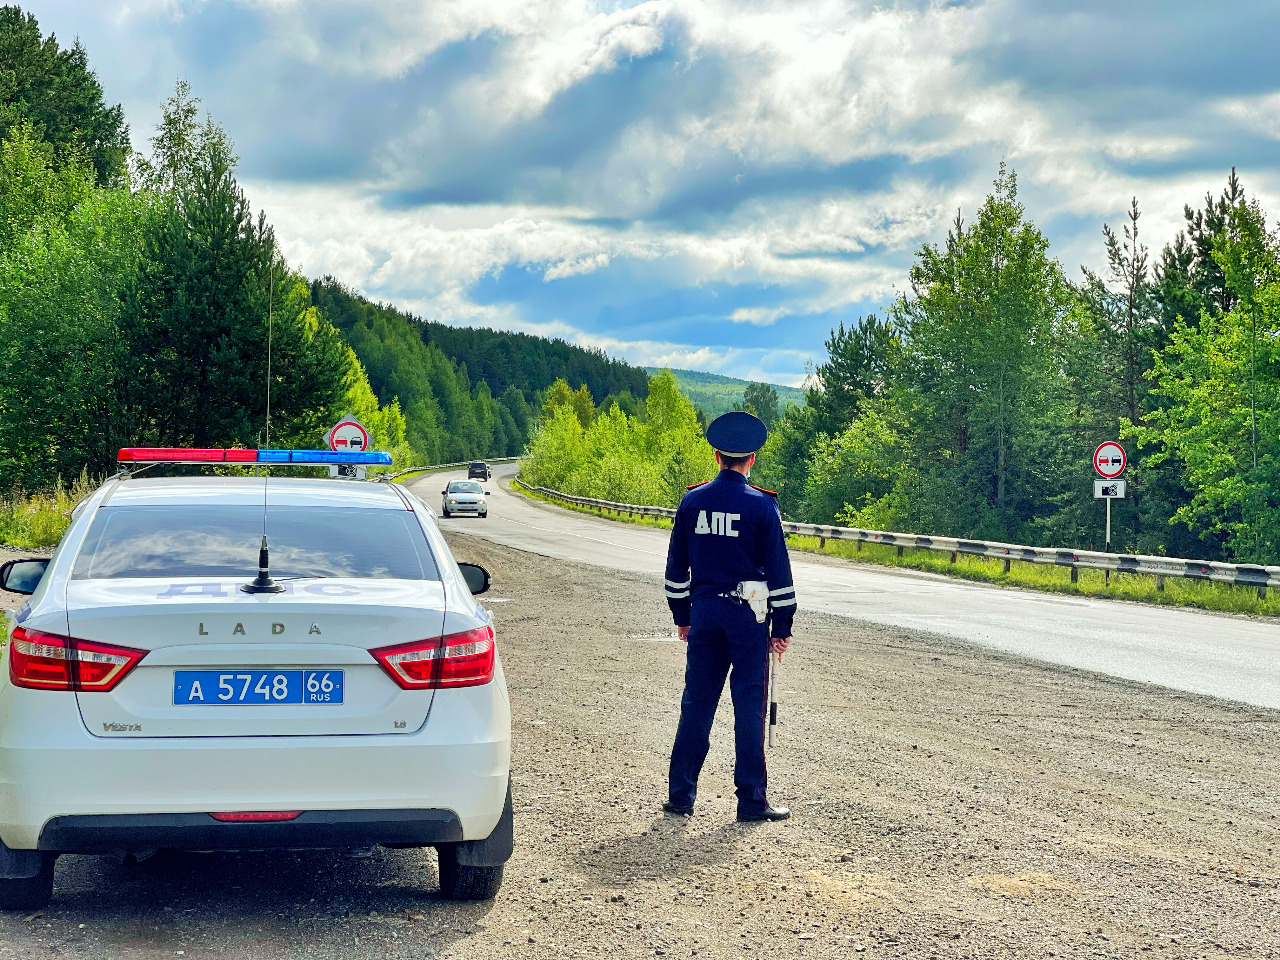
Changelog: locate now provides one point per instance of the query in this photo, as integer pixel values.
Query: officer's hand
(779, 644)
(684, 633)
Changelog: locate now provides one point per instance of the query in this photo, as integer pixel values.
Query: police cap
(737, 433)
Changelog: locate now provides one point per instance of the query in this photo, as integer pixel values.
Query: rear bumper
(134, 833)
(52, 770)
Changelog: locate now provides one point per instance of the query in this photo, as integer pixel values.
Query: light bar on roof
(300, 458)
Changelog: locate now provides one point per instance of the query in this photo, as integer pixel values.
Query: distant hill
(714, 394)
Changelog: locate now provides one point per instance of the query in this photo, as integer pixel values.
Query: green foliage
(560, 394)
(39, 521)
(210, 292)
(530, 364)
(55, 94)
(978, 382)
(68, 253)
(144, 317)
(861, 475)
(617, 456)
(713, 394)
(856, 371)
(974, 411)
(761, 399)
(447, 419)
(1220, 383)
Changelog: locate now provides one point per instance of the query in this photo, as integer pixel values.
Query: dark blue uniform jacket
(727, 531)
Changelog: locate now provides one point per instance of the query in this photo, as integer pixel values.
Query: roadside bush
(34, 521)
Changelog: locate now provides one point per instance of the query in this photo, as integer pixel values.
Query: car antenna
(263, 583)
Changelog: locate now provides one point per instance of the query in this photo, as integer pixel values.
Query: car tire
(459, 881)
(446, 513)
(34, 893)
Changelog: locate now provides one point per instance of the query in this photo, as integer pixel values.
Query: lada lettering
(122, 728)
(276, 629)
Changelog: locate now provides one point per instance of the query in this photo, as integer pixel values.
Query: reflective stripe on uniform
(671, 584)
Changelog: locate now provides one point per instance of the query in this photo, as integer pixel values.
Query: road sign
(1108, 489)
(1109, 459)
(347, 435)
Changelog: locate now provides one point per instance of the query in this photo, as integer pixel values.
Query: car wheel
(446, 513)
(33, 893)
(485, 515)
(459, 881)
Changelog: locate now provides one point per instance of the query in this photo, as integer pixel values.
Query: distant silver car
(464, 498)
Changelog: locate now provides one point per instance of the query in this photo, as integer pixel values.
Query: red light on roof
(257, 816)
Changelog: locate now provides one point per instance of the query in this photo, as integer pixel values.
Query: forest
(972, 405)
(139, 294)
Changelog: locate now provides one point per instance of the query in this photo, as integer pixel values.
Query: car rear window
(222, 541)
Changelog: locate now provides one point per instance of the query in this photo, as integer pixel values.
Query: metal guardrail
(1238, 574)
(445, 466)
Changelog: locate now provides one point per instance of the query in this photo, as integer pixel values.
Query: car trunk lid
(204, 637)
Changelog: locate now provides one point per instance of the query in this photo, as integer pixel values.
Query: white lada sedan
(149, 702)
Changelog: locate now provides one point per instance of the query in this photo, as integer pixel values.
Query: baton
(773, 693)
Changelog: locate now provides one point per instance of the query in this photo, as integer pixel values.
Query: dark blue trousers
(723, 633)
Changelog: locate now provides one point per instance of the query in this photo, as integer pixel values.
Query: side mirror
(443, 492)
(477, 577)
(22, 576)
(488, 493)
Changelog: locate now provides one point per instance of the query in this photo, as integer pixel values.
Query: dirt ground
(949, 802)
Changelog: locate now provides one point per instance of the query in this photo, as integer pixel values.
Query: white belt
(755, 593)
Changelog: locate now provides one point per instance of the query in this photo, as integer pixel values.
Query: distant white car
(464, 498)
(149, 702)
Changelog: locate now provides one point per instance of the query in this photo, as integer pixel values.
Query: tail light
(458, 660)
(258, 816)
(46, 661)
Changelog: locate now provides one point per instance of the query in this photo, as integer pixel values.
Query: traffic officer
(729, 587)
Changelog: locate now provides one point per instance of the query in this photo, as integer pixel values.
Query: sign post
(1109, 460)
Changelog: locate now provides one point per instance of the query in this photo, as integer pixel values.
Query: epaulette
(772, 493)
(694, 486)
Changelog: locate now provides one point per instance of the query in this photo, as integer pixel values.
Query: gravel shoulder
(948, 802)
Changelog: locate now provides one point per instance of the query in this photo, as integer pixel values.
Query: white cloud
(1256, 114)
(854, 130)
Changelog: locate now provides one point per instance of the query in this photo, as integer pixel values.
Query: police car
(157, 695)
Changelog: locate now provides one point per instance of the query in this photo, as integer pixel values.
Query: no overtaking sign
(1109, 460)
(348, 434)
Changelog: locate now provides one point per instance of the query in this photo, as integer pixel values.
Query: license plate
(211, 688)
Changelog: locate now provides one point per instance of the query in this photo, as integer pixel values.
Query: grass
(38, 520)
(1179, 592)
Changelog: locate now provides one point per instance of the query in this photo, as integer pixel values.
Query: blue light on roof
(378, 457)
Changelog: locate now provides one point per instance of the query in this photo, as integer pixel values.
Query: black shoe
(768, 813)
(678, 809)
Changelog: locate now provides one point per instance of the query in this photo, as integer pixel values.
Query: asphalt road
(1222, 656)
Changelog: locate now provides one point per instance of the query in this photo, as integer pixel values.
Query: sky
(693, 183)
